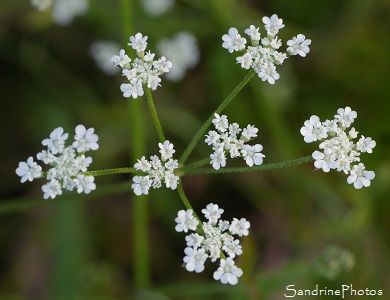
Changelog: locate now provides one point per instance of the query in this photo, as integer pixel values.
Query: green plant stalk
(220, 108)
(153, 111)
(140, 228)
(279, 165)
(110, 171)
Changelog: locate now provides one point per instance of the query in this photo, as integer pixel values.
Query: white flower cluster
(143, 70)
(183, 51)
(155, 8)
(67, 163)
(215, 242)
(225, 140)
(63, 11)
(159, 170)
(263, 54)
(338, 150)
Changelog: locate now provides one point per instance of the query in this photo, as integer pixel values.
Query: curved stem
(110, 171)
(264, 167)
(220, 108)
(153, 111)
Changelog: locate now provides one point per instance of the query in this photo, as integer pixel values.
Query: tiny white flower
(195, 259)
(239, 227)
(186, 221)
(166, 150)
(218, 159)
(273, 24)
(138, 42)
(121, 60)
(29, 170)
(250, 132)
(142, 164)
(253, 33)
(313, 130)
(268, 73)
(360, 177)
(246, 60)
(56, 141)
(141, 185)
(220, 122)
(365, 144)
(346, 116)
(171, 180)
(212, 213)
(252, 155)
(51, 189)
(232, 248)
(298, 45)
(194, 240)
(212, 138)
(324, 161)
(85, 139)
(133, 89)
(233, 41)
(84, 183)
(228, 272)
(82, 163)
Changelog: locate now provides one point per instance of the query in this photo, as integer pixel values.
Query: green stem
(153, 111)
(220, 108)
(184, 198)
(264, 167)
(139, 207)
(110, 171)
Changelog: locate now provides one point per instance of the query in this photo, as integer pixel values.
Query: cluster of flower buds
(67, 164)
(338, 149)
(263, 55)
(212, 239)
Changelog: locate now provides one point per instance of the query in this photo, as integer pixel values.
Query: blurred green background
(77, 247)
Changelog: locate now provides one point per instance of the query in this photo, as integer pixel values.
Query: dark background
(82, 247)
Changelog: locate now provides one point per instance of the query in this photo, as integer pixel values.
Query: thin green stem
(153, 111)
(220, 108)
(139, 207)
(110, 171)
(285, 164)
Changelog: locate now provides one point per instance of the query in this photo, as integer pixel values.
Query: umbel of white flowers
(143, 70)
(226, 140)
(66, 163)
(159, 171)
(337, 149)
(263, 54)
(217, 237)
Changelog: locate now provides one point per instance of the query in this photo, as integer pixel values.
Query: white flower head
(166, 150)
(268, 73)
(233, 40)
(253, 33)
(273, 24)
(121, 60)
(195, 259)
(29, 170)
(51, 189)
(186, 221)
(228, 272)
(138, 42)
(141, 185)
(345, 116)
(252, 154)
(239, 227)
(84, 183)
(218, 159)
(313, 130)
(85, 139)
(56, 141)
(298, 45)
(360, 177)
(212, 213)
